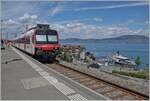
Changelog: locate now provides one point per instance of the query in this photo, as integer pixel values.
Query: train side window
(28, 40)
(32, 38)
(23, 40)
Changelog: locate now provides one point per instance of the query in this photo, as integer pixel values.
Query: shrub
(140, 74)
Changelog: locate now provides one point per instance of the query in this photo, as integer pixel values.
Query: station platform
(24, 78)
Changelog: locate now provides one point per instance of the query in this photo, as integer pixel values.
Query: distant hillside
(128, 37)
(124, 38)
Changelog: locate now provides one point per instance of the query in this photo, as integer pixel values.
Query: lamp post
(1, 29)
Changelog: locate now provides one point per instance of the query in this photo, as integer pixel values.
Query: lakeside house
(76, 52)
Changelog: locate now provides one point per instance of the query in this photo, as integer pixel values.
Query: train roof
(39, 27)
(24, 34)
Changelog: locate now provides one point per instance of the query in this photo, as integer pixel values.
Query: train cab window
(41, 38)
(52, 38)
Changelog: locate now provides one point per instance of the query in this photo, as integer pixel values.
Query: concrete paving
(24, 78)
(14, 71)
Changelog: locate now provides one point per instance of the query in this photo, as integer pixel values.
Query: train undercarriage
(45, 57)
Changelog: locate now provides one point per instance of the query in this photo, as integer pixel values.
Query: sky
(77, 19)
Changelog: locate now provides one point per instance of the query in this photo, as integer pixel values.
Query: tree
(92, 57)
(138, 61)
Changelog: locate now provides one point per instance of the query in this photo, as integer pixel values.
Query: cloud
(7, 24)
(26, 18)
(147, 22)
(19, 24)
(136, 22)
(16, 9)
(77, 29)
(10, 22)
(56, 10)
(98, 19)
(85, 31)
(10, 26)
(25, 12)
(112, 6)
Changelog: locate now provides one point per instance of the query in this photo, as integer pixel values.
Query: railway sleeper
(89, 83)
(68, 71)
(95, 86)
(125, 97)
(79, 78)
(62, 69)
(104, 89)
(111, 90)
(55, 68)
(116, 94)
(73, 75)
(84, 80)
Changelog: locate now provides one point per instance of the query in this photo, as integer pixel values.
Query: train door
(24, 43)
(27, 43)
(32, 44)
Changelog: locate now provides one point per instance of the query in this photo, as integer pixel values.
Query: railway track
(112, 91)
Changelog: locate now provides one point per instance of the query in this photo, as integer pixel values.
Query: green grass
(140, 74)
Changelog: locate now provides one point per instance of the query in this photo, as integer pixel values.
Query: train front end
(46, 44)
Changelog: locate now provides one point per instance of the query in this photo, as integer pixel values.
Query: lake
(102, 48)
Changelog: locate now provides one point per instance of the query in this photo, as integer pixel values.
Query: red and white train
(39, 41)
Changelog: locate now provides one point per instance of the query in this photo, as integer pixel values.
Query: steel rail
(65, 70)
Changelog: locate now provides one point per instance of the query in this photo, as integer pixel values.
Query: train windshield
(46, 37)
(41, 38)
(52, 38)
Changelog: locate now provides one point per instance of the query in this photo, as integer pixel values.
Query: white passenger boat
(119, 59)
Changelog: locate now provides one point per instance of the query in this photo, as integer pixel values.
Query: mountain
(120, 39)
(124, 37)
(129, 37)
